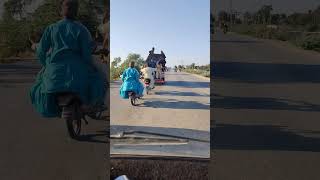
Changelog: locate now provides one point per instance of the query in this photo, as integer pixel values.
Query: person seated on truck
(159, 70)
(162, 62)
(148, 74)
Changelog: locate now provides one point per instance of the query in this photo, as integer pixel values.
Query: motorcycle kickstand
(85, 120)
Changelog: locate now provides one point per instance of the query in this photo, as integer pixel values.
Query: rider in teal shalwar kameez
(131, 82)
(65, 54)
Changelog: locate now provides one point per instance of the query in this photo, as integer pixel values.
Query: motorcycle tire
(73, 120)
(133, 101)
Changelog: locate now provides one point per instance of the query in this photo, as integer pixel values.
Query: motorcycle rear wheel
(133, 101)
(73, 120)
(147, 89)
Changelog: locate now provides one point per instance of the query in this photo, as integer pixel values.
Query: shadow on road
(174, 104)
(188, 84)
(178, 132)
(98, 137)
(261, 137)
(18, 73)
(16, 68)
(266, 73)
(17, 81)
(229, 102)
(178, 93)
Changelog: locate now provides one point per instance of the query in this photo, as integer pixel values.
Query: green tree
(115, 62)
(247, 17)
(117, 68)
(13, 8)
(15, 29)
(265, 13)
(223, 16)
(139, 61)
(192, 66)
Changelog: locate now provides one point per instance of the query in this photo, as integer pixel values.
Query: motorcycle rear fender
(66, 99)
(130, 93)
(147, 81)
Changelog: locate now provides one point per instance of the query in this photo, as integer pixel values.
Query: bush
(205, 73)
(117, 69)
(283, 35)
(5, 52)
(310, 42)
(313, 27)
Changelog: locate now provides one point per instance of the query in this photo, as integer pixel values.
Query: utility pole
(270, 18)
(231, 13)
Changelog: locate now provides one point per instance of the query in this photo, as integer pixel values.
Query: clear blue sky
(181, 28)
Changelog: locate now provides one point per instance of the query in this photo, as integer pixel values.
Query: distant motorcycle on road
(147, 85)
(224, 28)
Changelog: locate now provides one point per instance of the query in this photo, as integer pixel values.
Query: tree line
(203, 70)
(194, 66)
(309, 20)
(300, 29)
(118, 65)
(17, 25)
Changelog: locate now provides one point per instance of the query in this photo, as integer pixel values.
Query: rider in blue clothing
(131, 82)
(67, 65)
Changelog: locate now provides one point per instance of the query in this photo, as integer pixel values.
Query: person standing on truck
(153, 65)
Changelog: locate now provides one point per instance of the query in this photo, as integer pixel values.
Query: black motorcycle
(147, 84)
(133, 97)
(70, 107)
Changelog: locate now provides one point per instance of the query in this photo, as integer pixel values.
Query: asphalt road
(266, 109)
(182, 103)
(32, 147)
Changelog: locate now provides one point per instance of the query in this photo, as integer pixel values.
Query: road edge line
(199, 76)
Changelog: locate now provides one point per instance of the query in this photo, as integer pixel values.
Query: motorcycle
(70, 104)
(225, 29)
(133, 97)
(70, 107)
(147, 84)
